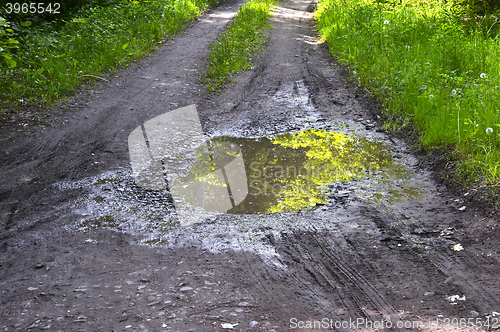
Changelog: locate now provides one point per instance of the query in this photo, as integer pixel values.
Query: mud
(84, 248)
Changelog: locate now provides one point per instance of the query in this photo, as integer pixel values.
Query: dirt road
(390, 247)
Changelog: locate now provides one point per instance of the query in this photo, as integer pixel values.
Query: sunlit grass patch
(426, 63)
(231, 54)
(51, 62)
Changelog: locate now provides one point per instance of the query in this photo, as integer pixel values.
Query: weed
(425, 62)
(52, 60)
(231, 54)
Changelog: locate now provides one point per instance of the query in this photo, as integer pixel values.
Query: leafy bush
(52, 58)
(8, 42)
(479, 7)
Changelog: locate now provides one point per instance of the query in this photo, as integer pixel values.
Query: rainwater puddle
(290, 173)
(293, 171)
(282, 173)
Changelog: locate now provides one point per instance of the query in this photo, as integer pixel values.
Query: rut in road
(296, 66)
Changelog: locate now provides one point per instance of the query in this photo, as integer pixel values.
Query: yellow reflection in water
(329, 157)
(290, 172)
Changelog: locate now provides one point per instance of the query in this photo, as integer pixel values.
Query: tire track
(346, 288)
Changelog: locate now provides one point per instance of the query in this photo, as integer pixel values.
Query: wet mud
(339, 221)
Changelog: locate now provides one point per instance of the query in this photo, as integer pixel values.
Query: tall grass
(52, 62)
(231, 54)
(426, 64)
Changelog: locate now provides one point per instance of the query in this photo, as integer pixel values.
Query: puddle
(291, 172)
(283, 173)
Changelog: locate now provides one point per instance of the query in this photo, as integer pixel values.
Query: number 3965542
(33, 7)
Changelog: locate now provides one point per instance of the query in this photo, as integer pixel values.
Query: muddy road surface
(369, 242)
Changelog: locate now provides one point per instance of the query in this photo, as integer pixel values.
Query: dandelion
(431, 96)
(453, 92)
(489, 130)
(386, 22)
(483, 75)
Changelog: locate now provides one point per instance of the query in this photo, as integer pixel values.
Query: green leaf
(13, 41)
(11, 62)
(125, 46)
(25, 24)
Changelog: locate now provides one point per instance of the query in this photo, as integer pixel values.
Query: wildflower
(354, 73)
(407, 47)
(431, 96)
(489, 130)
(483, 75)
(386, 22)
(453, 92)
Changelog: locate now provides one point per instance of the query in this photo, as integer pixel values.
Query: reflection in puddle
(292, 171)
(288, 172)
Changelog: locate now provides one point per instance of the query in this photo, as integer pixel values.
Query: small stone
(243, 304)
(154, 303)
(342, 193)
(428, 293)
(474, 313)
(253, 323)
(228, 325)
(185, 289)
(80, 319)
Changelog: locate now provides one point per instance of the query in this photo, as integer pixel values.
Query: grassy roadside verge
(51, 62)
(244, 37)
(428, 66)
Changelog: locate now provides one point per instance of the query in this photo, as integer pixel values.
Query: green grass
(244, 37)
(429, 66)
(50, 63)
